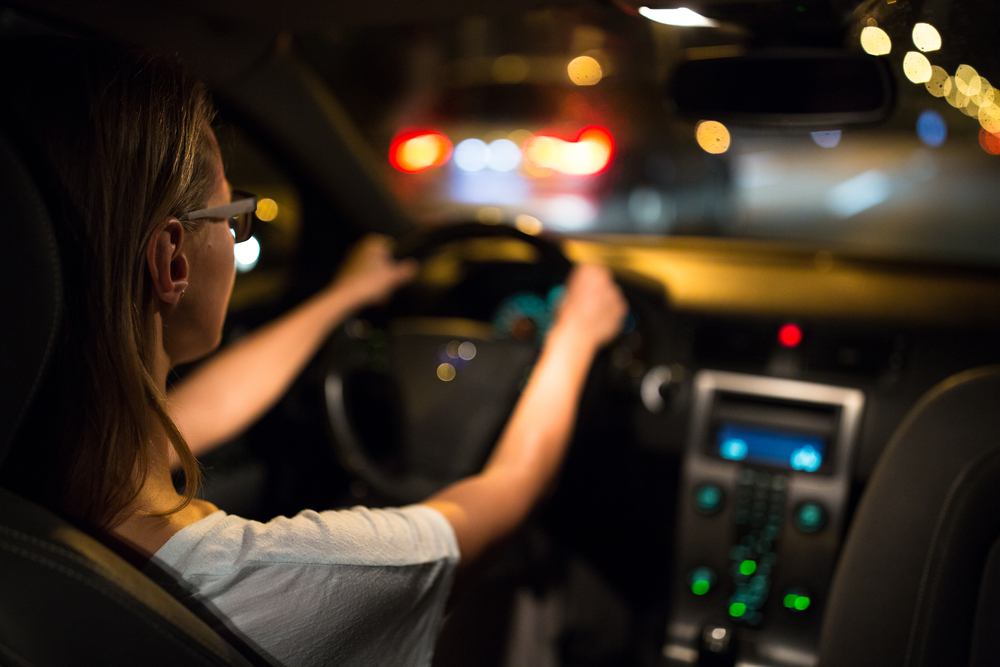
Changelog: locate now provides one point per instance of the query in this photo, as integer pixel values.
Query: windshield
(559, 120)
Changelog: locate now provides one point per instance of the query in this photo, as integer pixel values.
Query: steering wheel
(416, 400)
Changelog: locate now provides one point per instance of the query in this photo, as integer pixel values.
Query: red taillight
(590, 153)
(416, 150)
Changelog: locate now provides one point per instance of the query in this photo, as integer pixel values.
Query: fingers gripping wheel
(417, 399)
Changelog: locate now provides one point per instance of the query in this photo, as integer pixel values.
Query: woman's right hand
(593, 307)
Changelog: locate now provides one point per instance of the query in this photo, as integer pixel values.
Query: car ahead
(803, 263)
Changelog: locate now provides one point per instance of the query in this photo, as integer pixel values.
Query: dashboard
(722, 445)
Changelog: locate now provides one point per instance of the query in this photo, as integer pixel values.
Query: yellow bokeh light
(528, 224)
(510, 68)
(939, 84)
(420, 151)
(519, 136)
(967, 80)
(986, 93)
(916, 67)
(712, 136)
(584, 71)
(989, 117)
(875, 41)
(267, 209)
(446, 372)
(955, 97)
(926, 37)
(971, 109)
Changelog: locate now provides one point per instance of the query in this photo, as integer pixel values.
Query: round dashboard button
(796, 599)
(708, 499)
(701, 580)
(809, 517)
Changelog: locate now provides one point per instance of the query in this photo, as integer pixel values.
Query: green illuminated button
(701, 580)
(748, 567)
(708, 499)
(809, 517)
(796, 600)
(737, 609)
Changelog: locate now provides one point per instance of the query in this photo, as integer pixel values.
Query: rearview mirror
(784, 88)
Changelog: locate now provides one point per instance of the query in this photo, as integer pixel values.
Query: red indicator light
(588, 154)
(415, 150)
(790, 335)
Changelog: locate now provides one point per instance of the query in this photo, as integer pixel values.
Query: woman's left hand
(370, 274)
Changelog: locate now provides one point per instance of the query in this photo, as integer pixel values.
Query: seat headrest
(30, 290)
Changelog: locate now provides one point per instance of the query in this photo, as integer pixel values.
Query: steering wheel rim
(341, 359)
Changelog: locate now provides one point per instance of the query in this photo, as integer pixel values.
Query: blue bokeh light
(931, 128)
(734, 449)
(806, 458)
(471, 155)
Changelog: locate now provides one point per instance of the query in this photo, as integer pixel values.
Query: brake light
(590, 153)
(417, 150)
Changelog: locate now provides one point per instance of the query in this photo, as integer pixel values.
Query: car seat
(65, 598)
(918, 582)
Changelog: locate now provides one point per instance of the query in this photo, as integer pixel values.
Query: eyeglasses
(240, 214)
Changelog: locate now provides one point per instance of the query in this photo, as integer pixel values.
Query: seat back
(66, 599)
(920, 572)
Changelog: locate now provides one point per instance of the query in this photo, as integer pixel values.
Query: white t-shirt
(353, 587)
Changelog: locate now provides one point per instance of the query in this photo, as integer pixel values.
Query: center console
(763, 499)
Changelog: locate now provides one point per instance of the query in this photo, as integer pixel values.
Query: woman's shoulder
(221, 542)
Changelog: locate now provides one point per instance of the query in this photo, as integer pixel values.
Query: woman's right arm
(486, 507)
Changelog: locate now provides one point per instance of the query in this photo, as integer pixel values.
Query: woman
(148, 274)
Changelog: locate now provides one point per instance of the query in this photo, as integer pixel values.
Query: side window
(265, 263)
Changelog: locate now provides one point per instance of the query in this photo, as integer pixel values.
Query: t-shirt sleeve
(352, 587)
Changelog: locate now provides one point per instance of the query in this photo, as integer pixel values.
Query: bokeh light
(875, 41)
(939, 85)
(712, 136)
(584, 71)
(971, 109)
(986, 93)
(519, 136)
(955, 97)
(446, 372)
(989, 141)
(916, 67)
(510, 68)
(416, 150)
(472, 155)
(989, 117)
(931, 128)
(528, 224)
(967, 80)
(589, 154)
(826, 139)
(926, 37)
(467, 351)
(267, 209)
(247, 254)
(504, 155)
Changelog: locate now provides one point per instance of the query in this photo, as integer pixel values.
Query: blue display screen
(795, 451)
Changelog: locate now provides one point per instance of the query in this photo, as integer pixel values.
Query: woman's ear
(168, 265)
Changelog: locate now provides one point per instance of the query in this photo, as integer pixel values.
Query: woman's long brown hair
(128, 142)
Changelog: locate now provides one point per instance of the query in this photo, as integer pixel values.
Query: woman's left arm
(234, 388)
